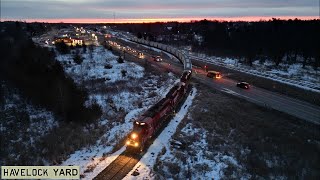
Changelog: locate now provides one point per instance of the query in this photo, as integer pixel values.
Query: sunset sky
(150, 10)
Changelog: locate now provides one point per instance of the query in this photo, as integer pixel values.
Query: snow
(144, 167)
(294, 74)
(94, 159)
(41, 120)
(98, 156)
(94, 67)
(121, 99)
(23, 125)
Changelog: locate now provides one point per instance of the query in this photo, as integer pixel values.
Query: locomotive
(149, 123)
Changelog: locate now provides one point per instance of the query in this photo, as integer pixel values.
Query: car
(214, 74)
(157, 58)
(243, 85)
(140, 55)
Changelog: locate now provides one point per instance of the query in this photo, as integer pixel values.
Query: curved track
(125, 162)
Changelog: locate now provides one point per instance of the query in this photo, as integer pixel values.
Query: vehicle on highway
(243, 85)
(140, 55)
(214, 74)
(157, 58)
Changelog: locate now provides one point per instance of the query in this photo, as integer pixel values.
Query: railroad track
(120, 167)
(126, 161)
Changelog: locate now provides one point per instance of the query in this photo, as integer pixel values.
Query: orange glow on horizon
(151, 20)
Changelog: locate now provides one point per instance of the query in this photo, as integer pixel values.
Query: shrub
(108, 66)
(77, 58)
(124, 73)
(62, 47)
(120, 60)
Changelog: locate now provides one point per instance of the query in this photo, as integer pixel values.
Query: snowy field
(22, 126)
(93, 67)
(145, 166)
(128, 95)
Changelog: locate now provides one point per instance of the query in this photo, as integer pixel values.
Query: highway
(262, 97)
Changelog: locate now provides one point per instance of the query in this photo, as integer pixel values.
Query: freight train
(150, 122)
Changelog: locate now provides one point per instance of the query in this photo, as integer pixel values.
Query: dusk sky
(155, 10)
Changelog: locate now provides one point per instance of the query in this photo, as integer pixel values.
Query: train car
(148, 124)
(185, 77)
(175, 94)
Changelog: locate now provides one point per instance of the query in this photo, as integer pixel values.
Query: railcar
(149, 123)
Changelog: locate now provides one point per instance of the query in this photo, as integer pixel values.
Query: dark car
(243, 85)
(157, 58)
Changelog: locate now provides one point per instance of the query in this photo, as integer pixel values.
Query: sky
(155, 10)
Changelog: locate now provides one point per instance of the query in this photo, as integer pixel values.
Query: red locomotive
(149, 123)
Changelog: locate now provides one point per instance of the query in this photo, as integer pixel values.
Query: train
(151, 121)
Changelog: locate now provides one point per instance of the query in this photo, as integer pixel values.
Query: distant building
(70, 41)
(77, 41)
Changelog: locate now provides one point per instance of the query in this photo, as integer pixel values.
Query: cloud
(33, 9)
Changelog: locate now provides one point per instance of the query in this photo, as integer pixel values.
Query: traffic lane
(260, 96)
(256, 95)
(277, 99)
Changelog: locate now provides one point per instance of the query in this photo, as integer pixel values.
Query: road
(268, 99)
(262, 97)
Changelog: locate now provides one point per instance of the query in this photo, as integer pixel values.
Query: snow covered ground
(129, 95)
(294, 74)
(145, 167)
(93, 67)
(22, 126)
(100, 160)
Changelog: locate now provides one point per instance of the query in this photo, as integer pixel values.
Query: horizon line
(154, 20)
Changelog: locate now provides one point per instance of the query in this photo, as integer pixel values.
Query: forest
(289, 41)
(38, 76)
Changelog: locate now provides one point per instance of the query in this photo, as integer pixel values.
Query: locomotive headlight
(128, 142)
(134, 135)
(136, 144)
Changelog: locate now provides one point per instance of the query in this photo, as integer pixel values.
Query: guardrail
(185, 60)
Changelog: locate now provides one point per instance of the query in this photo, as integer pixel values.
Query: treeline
(40, 78)
(276, 40)
(293, 41)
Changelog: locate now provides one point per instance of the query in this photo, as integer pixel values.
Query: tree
(84, 48)
(120, 60)
(62, 47)
(78, 59)
(91, 51)
(139, 35)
